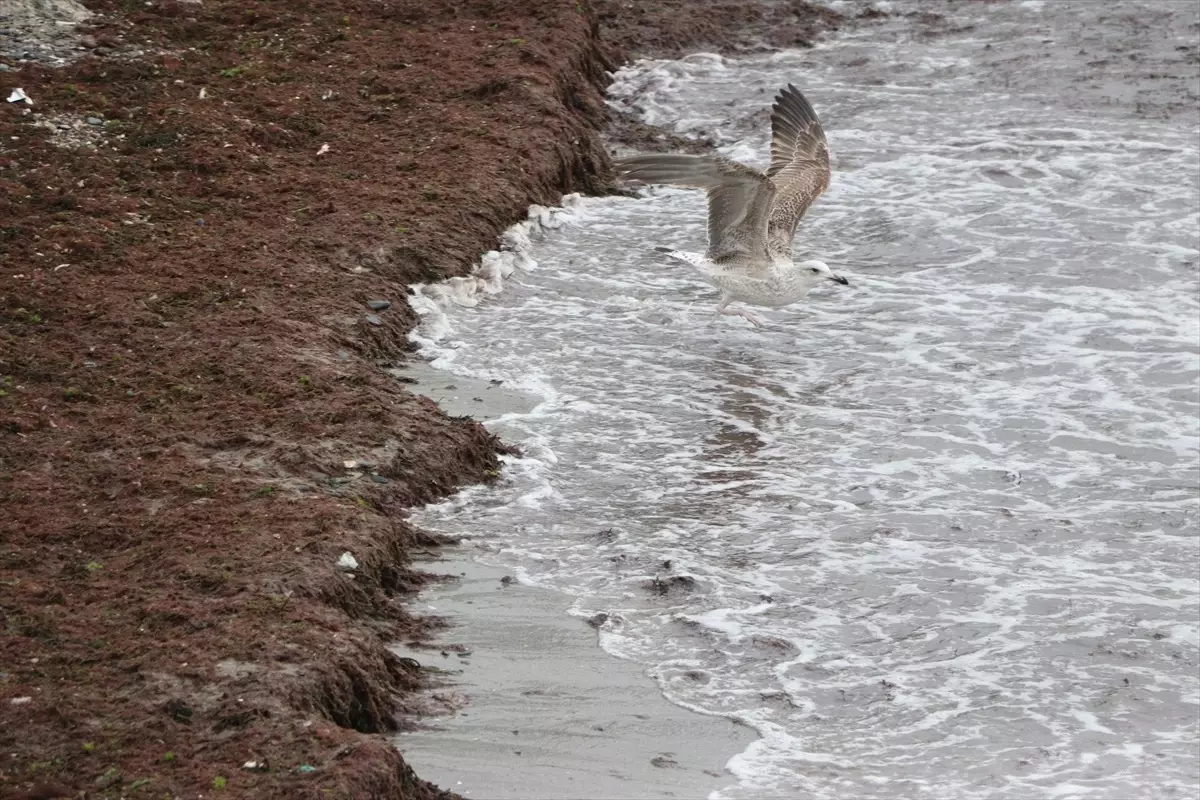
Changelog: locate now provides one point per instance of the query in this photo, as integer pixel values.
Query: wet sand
(547, 713)
(550, 715)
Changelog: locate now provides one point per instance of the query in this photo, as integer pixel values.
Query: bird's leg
(720, 310)
(723, 309)
(746, 315)
(753, 319)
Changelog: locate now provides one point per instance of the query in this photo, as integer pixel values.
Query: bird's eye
(816, 269)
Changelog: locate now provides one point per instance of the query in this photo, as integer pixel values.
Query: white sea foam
(934, 535)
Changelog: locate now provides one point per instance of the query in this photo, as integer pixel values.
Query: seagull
(752, 216)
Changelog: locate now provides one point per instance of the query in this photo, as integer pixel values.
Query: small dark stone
(664, 585)
(379, 305)
(507, 580)
(374, 320)
(179, 710)
(606, 536)
(379, 479)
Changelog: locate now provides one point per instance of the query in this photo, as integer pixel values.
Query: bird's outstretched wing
(739, 200)
(799, 166)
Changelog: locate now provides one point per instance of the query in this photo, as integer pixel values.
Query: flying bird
(752, 216)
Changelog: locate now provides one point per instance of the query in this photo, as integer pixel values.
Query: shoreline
(212, 213)
(530, 707)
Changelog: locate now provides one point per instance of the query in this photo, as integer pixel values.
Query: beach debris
(19, 96)
(663, 585)
(256, 766)
(606, 536)
(203, 92)
(20, 701)
(323, 150)
(347, 562)
(110, 776)
(306, 769)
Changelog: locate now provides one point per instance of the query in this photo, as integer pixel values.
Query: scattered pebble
(374, 320)
(94, 121)
(379, 305)
(347, 562)
(72, 132)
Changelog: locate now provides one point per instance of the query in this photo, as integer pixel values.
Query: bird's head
(820, 270)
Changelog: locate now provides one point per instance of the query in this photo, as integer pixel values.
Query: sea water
(933, 534)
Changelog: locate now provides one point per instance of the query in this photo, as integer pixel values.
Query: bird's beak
(839, 279)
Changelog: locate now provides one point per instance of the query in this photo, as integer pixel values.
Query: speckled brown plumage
(752, 215)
